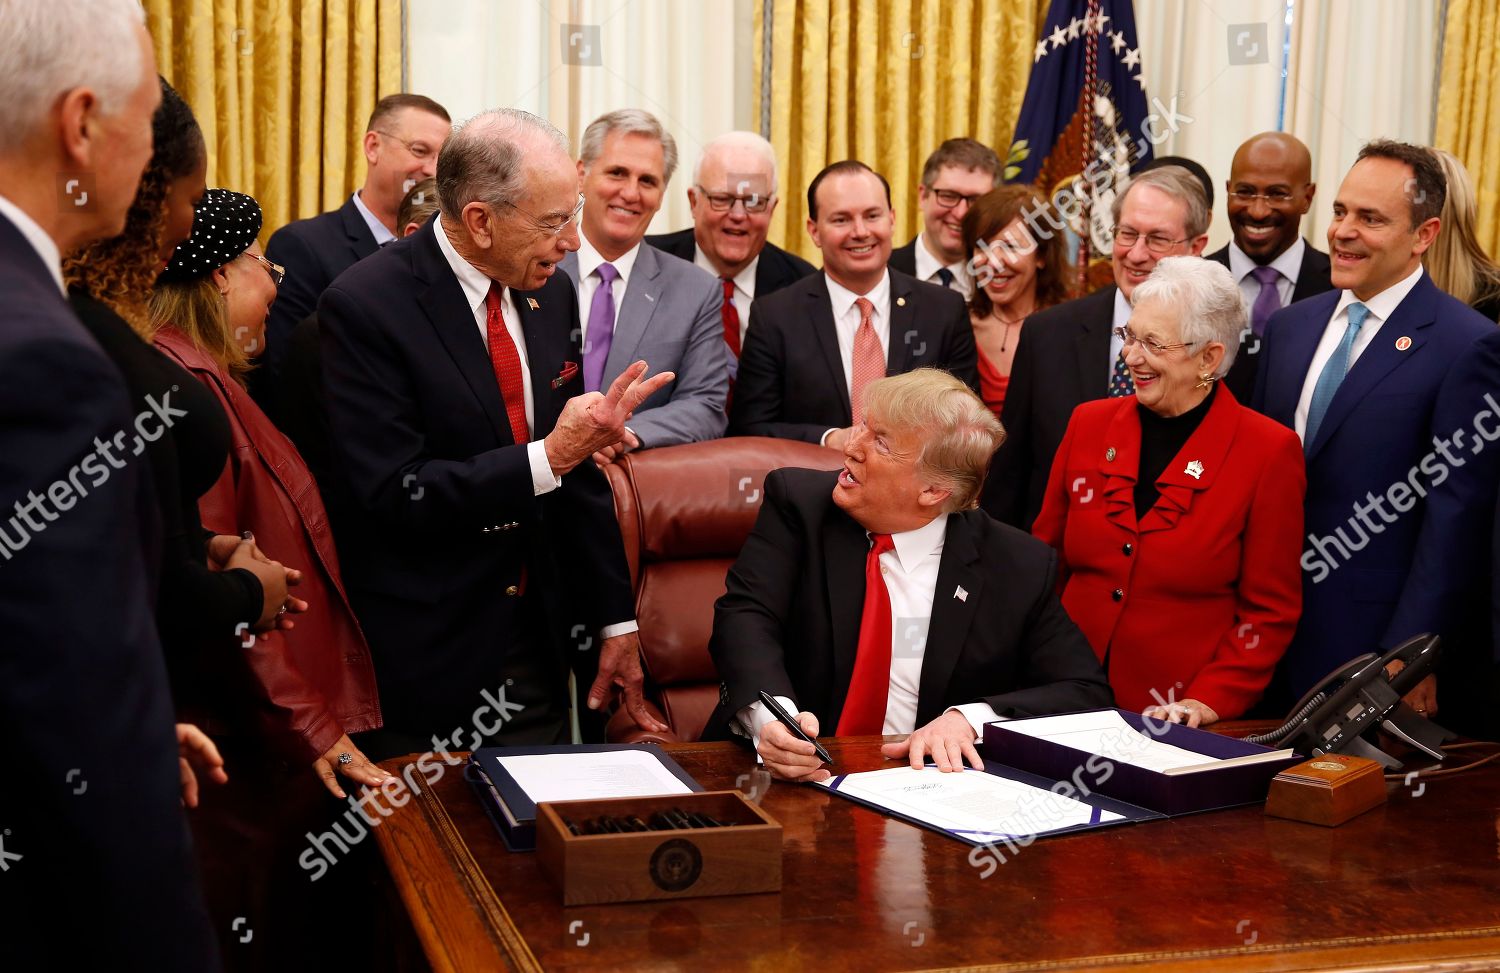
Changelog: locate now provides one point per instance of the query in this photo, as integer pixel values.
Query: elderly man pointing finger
(461, 431)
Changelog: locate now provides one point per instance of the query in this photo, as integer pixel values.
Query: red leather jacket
(317, 679)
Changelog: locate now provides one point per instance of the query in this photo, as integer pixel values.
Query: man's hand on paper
(789, 758)
(949, 739)
(1189, 711)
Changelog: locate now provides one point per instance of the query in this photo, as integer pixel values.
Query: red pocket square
(569, 370)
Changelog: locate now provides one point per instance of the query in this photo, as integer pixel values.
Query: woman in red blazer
(1177, 514)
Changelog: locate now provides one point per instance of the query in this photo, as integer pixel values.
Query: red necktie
(731, 315)
(507, 364)
(868, 359)
(864, 706)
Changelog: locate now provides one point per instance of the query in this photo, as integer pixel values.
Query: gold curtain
(1468, 112)
(282, 90)
(885, 81)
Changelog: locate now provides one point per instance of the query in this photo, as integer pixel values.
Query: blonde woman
(1456, 261)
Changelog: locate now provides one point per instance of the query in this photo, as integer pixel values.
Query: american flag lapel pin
(962, 594)
(531, 303)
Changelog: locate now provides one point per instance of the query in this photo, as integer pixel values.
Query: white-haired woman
(1177, 515)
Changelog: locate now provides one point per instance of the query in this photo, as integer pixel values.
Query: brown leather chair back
(684, 513)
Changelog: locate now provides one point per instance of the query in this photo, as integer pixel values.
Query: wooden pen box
(1327, 790)
(743, 856)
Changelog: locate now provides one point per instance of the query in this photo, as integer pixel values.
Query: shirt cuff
(978, 714)
(618, 628)
(639, 444)
(751, 721)
(823, 439)
(543, 480)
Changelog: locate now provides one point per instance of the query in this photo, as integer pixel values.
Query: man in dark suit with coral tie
(878, 600)
(812, 347)
(1270, 190)
(1390, 383)
(481, 547)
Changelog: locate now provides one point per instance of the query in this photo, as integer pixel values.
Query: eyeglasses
(277, 272)
(420, 151)
(555, 228)
(1157, 243)
(724, 202)
(951, 198)
(1150, 344)
(1275, 199)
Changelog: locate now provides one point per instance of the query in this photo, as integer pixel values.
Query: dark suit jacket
(1371, 582)
(314, 251)
(1062, 361)
(789, 620)
(777, 268)
(443, 524)
(90, 802)
(791, 380)
(1312, 279)
(904, 258)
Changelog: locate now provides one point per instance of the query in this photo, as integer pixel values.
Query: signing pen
(786, 720)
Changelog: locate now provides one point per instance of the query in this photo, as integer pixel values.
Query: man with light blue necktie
(1389, 381)
(636, 301)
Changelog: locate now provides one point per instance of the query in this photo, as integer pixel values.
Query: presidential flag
(1084, 124)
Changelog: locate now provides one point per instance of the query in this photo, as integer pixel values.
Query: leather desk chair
(684, 513)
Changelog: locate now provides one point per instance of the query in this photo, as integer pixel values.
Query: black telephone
(1357, 698)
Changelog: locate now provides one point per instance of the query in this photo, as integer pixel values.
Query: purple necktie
(1268, 301)
(601, 333)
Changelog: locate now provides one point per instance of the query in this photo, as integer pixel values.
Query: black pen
(791, 724)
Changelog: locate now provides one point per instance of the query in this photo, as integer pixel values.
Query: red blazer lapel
(1196, 466)
(1120, 464)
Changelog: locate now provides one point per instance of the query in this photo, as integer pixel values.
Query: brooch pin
(1194, 470)
(531, 303)
(1109, 455)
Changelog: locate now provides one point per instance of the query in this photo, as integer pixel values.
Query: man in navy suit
(958, 172)
(480, 546)
(1270, 190)
(1388, 381)
(733, 197)
(635, 301)
(812, 347)
(96, 866)
(401, 146)
(878, 600)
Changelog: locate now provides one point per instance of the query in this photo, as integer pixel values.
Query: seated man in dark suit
(878, 600)
(92, 833)
(1270, 190)
(811, 348)
(1070, 353)
(956, 174)
(401, 146)
(733, 196)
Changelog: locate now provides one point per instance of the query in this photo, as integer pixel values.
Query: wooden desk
(1412, 884)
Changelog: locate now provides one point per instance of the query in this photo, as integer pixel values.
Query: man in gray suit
(636, 302)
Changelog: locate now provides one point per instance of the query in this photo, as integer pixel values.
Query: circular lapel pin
(1109, 455)
(901, 302)
(1403, 343)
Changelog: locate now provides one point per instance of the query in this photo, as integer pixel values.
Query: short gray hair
(484, 160)
(959, 433)
(752, 142)
(1208, 302)
(628, 121)
(1178, 183)
(55, 46)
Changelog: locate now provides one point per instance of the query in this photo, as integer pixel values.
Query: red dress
(1199, 599)
(992, 384)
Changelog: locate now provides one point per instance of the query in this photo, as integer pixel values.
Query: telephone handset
(1356, 698)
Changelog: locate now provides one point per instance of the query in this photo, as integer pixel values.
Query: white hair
(751, 142)
(1208, 302)
(484, 158)
(628, 121)
(51, 47)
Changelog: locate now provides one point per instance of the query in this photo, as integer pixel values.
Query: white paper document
(971, 804)
(585, 776)
(1107, 734)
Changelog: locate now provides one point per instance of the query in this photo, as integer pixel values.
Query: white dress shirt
(910, 572)
(588, 284)
(382, 233)
(744, 286)
(1381, 306)
(928, 267)
(476, 287)
(1288, 265)
(1116, 343)
(44, 245)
